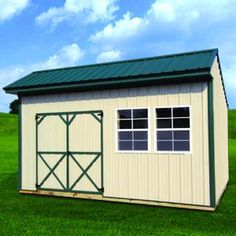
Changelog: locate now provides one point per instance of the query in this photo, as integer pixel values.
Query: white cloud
(184, 12)
(229, 72)
(80, 10)
(123, 28)
(69, 55)
(9, 8)
(178, 14)
(54, 16)
(106, 56)
(8, 75)
(163, 11)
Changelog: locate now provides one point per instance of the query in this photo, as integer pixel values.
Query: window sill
(166, 152)
(149, 152)
(133, 152)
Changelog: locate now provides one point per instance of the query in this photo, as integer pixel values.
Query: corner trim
(221, 195)
(19, 146)
(222, 79)
(211, 143)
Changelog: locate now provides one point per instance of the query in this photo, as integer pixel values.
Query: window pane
(163, 112)
(181, 135)
(181, 123)
(140, 124)
(124, 124)
(181, 146)
(181, 112)
(124, 114)
(140, 113)
(125, 135)
(140, 135)
(163, 123)
(125, 145)
(140, 145)
(164, 135)
(164, 146)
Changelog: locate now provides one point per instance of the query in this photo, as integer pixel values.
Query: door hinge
(101, 189)
(100, 114)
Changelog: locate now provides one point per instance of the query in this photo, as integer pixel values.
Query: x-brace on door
(69, 151)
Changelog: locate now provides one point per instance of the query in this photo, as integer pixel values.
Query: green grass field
(37, 215)
(232, 125)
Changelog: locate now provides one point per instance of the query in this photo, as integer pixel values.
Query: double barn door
(69, 151)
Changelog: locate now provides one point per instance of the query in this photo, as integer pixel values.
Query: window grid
(133, 130)
(172, 129)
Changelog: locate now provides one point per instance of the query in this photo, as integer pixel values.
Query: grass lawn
(37, 215)
(232, 125)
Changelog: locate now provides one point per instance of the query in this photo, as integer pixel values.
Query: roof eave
(111, 84)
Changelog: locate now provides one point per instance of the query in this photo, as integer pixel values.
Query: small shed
(148, 131)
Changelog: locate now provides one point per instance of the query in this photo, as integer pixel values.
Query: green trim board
(211, 144)
(71, 152)
(102, 158)
(71, 191)
(64, 116)
(36, 148)
(67, 151)
(20, 145)
(222, 80)
(68, 113)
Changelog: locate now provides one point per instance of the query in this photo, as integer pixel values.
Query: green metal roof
(114, 73)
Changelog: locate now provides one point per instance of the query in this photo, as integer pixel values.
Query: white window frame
(171, 129)
(117, 131)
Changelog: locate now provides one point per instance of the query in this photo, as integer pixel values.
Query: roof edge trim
(222, 79)
(106, 84)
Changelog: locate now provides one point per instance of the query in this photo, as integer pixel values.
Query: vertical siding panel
(164, 181)
(186, 159)
(174, 160)
(197, 161)
(123, 158)
(205, 144)
(113, 177)
(108, 117)
(153, 168)
(143, 158)
(133, 159)
(81, 129)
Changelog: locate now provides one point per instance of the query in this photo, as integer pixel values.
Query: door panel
(85, 134)
(52, 134)
(88, 168)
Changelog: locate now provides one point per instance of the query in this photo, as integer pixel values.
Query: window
(132, 129)
(173, 129)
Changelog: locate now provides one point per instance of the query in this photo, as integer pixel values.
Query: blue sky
(46, 34)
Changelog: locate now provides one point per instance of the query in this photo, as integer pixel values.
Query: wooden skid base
(112, 199)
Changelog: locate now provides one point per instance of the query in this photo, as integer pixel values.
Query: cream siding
(220, 132)
(177, 178)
